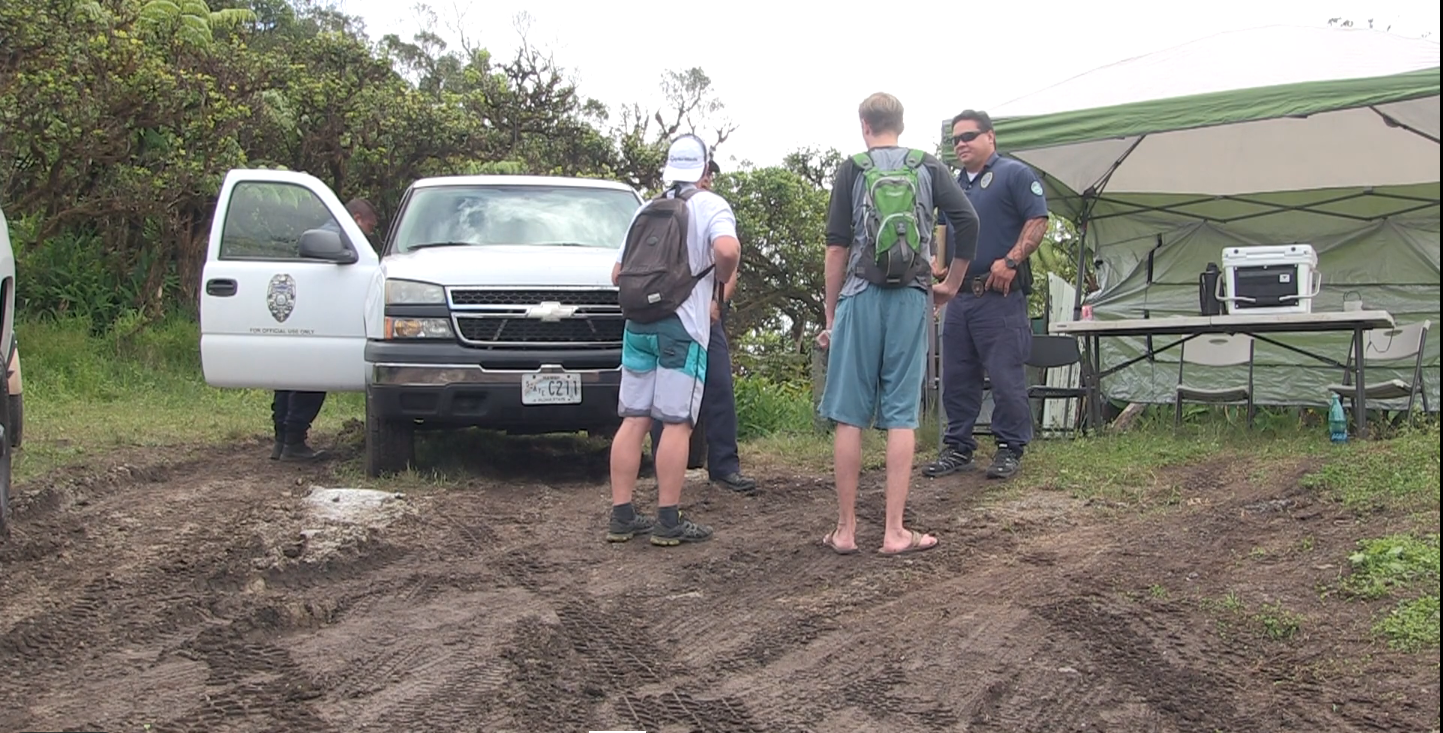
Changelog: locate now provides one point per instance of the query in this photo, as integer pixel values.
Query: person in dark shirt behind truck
(293, 411)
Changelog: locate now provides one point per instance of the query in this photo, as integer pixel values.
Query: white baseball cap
(686, 161)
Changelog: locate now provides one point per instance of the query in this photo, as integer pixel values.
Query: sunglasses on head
(966, 137)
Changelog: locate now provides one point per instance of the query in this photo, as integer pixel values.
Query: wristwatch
(1011, 263)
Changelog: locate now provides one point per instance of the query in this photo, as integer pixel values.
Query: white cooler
(1269, 279)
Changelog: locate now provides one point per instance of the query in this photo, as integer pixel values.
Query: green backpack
(892, 255)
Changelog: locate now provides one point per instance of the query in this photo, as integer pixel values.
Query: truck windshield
(509, 215)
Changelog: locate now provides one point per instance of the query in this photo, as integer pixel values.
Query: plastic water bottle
(1337, 421)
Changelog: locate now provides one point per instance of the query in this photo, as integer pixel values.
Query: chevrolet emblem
(550, 311)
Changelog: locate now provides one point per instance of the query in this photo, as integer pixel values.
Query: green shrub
(768, 407)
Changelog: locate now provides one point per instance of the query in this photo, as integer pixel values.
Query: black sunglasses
(966, 137)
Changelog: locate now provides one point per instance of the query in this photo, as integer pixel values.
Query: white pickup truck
(490, 304)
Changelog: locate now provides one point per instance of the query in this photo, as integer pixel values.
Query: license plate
(551, 389)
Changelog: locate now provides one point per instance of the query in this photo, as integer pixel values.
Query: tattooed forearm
(1029, 240)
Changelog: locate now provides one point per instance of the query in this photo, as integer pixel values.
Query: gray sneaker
(619, 531)
(1005, 463)
(683, 531)
(949, 462)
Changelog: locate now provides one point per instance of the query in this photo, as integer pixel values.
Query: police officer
(292, 412)
(986, 332)
(718, 401)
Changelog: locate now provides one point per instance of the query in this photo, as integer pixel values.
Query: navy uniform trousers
(988, 334)
(293, 412)
(718, 407)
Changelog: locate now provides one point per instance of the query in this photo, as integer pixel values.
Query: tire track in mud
(877, 696)
(1040, 702)
(714, 715)
(1191, 700)
(173, 584)
(252, 681)
(613, 653)
(452, 694)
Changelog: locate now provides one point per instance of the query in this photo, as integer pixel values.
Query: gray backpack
(656, 277)
(896, 222)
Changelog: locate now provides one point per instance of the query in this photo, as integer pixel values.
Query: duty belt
(979, 285)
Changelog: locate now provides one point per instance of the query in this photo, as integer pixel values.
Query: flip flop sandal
(916, 545)
(827, 540)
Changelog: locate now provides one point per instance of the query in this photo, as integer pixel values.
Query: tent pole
(1081, 267)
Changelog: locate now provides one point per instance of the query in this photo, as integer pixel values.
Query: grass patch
(1412, 626)
(1397, 562)
(1278, 623)
(1125, 469)
(1271, 620)
(1399, 565)
(1380, 475)
(135, 384)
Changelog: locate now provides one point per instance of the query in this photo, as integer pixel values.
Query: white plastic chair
(1215, 350)
(1385, 345)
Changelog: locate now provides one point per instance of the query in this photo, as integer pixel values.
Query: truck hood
(520, 265)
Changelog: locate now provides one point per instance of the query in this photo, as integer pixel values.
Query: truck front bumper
(455, 392)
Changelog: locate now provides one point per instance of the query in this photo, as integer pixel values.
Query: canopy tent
(1271, 135)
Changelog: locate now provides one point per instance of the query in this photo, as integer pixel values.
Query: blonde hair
(882, 112)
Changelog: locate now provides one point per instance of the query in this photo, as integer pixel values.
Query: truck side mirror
(326, 245)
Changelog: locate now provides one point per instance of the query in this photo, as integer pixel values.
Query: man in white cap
(663, 358)
(718, 403)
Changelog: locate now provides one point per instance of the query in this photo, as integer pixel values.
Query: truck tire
(6, 453)
(14, 430)
(14, 402)
(390, 443)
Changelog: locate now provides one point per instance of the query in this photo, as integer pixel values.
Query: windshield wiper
(565, 244)
(427, 245)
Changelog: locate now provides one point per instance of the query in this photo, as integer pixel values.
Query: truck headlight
(417, 328)
(412, 292)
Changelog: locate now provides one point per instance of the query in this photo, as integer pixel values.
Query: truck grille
(528, 318)
(527, 332)
(470, 298)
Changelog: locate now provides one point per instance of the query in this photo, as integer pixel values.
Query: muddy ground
(198, 590)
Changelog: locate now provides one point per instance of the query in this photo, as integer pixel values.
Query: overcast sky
(792, 77)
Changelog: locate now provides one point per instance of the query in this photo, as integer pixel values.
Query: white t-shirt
(709, 217)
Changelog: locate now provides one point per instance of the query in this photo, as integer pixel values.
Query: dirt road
(199, 590)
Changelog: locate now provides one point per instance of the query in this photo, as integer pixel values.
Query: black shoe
(279, 445)
(1005, 463)
(619, 531)
(736, 482)
(300, 452)
(683, 531)
(949, 461)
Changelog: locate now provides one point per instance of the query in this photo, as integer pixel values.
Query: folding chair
(1383, 345)
(1215, 350)
(1056, 352)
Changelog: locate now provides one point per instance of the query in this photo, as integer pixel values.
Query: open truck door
(284, 291)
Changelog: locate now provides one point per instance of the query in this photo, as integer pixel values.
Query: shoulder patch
(987, 179)
(1036, 188)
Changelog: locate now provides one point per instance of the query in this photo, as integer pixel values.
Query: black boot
(295, 449)
(280, 443)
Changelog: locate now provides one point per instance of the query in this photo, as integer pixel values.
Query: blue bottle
(1337, 421)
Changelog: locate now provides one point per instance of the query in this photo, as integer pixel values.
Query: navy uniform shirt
(1005, 194)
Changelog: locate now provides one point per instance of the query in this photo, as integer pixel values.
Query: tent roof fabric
(1267, 56)
(1235, 115)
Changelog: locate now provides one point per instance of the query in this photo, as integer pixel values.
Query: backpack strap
(863, 161)
(914, 158)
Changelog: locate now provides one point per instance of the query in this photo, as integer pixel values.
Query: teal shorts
(878, 359)
(663, 372)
